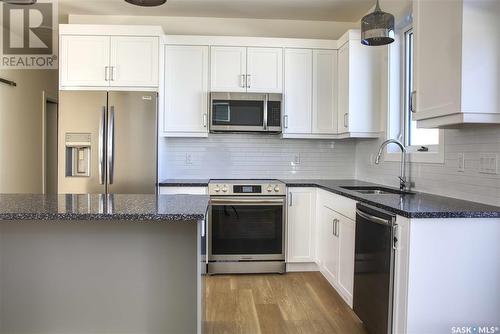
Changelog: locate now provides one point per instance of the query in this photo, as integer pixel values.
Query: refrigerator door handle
(101, 145)
(111, 145)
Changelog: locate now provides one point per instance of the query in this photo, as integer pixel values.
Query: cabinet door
(346, 239)
(330, 246)
(265, 70)
(301, 218)
(186, 90)
(437, 61)
(228, 69)
(84, 61)
(343, 89)
(298, 91)
(134, 61)
(324, 92)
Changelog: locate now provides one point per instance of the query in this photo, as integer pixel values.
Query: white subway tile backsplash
(255, 156)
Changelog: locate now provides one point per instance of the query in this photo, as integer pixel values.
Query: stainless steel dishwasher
(374, 268)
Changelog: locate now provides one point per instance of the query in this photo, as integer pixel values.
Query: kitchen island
(100, 263)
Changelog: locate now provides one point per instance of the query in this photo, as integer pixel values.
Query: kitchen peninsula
(100, 263)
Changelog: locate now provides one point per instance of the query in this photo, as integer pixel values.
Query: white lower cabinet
(301, 214)
(183, 190)
(321, 235)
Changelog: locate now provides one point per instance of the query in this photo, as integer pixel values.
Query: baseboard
(301, 266)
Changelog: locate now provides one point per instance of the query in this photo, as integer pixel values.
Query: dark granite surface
(417, 205)
(103, 207)
(184, 183)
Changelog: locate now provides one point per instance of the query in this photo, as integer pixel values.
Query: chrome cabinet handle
(290, 199)
(285, 120)
(111, 146)
(243, 80)
(335, 227)
(205, 120)
(249, 80)
(101, 145)
(106, 69)
(112, 73)
(413, 104)
(346, 120)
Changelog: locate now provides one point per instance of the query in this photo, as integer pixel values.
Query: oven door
(247, 229)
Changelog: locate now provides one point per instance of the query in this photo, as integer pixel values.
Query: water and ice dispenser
(78, 153)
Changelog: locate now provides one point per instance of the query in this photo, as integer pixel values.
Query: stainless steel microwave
(245, 112)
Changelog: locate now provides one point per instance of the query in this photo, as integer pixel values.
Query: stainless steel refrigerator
(107, 142)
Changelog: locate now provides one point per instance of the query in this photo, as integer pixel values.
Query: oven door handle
(247, 201)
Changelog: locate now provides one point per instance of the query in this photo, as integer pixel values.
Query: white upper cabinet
(84, 61)
(228, 69)
(324, 92)
(298, 91)
(134, 61)
(457, 76)
(186, 91)
(301, 215)
(265, 70)
(359, 88)
(109, 57)
(245, 69)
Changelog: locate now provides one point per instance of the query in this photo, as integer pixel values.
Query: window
(417, 139)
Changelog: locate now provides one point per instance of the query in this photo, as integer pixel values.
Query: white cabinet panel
(265, 70)
(346, 237)
(324, 92)
(84, 60)
(301, 224)
(183, 190)
(329, 246)
(134, 61)
(298, 91)
(186, 90)
(228, 68)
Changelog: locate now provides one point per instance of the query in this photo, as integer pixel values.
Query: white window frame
(398, 103)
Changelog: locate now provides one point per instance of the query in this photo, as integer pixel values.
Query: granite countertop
(103, 207)
(184, 183)
(417, 205)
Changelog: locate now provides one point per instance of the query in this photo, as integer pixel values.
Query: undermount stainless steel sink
(374, 190)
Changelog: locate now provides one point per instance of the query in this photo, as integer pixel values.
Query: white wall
(21, 129)
(227, 26)
(255, 156)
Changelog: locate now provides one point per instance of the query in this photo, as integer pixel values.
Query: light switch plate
(189, 160)
(488, 163)
(296, 159)
(461, 162)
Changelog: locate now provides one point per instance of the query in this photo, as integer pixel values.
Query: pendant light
(377, 28)
(146, 3)
(19, 2)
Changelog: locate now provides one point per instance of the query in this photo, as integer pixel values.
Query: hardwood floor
(293, 303)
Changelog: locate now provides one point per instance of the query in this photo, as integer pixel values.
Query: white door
(298, 91)
(324, 92)
(301, 218)
(186, 90)
(437, 64)
(343, 89)
(134, 61)
(84, 61)
(346, 238)
(265, 70)
(330, 248)
(228, 69)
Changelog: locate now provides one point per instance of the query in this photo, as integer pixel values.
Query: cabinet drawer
(343, 205)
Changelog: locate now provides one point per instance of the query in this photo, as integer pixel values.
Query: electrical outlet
(189, 160)
(461, 162)
(296, 159)
(488, 163)
(371, 162)
(332, 145)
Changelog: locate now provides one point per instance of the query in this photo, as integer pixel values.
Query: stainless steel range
(246, 226)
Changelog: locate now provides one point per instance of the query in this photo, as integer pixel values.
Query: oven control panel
(228, 188)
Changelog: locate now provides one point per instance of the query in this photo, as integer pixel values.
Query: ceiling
(317, 10)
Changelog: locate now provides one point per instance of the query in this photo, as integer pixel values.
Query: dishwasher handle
(374, 219)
